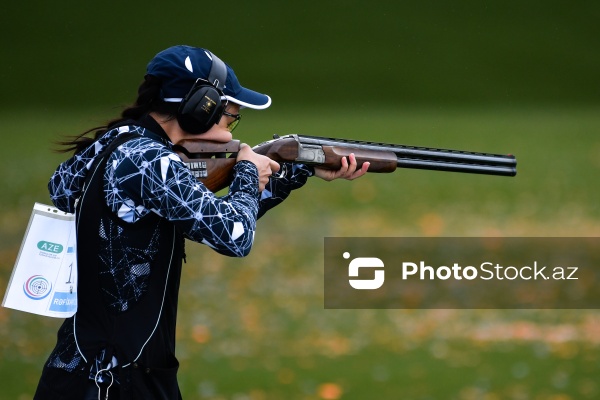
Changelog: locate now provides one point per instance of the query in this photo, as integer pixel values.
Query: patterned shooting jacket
(145, 184)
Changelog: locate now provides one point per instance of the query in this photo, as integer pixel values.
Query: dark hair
(148, 100)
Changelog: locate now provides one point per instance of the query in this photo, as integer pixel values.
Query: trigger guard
(281, 173)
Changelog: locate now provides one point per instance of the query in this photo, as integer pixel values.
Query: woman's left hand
(347, 170)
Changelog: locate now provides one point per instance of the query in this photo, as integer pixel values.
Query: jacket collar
(152, 127)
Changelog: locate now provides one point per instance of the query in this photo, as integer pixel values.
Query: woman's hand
(347, 170)
(266, 167)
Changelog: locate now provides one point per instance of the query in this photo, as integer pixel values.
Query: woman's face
(220, 132)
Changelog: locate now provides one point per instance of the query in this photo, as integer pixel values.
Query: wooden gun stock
(211, 162)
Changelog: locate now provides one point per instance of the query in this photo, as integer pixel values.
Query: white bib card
(44, 278)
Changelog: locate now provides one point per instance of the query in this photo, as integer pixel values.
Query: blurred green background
(492, 76)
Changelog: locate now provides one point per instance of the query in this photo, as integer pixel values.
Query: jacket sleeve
(294, 176)
(156, 179)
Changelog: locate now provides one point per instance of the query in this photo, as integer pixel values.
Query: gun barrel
(438, 165)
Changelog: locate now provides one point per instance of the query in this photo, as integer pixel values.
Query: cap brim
(251, 99)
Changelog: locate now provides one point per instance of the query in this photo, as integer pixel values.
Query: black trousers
(57, 384)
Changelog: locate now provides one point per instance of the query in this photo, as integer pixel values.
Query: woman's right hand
(266, 167)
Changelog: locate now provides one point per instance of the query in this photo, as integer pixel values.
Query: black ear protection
(205, 103)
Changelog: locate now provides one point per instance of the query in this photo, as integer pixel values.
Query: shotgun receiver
(212, 162)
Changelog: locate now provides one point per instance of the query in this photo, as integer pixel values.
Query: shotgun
(212, 162)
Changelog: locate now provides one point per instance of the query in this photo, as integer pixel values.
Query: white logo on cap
(188, 64)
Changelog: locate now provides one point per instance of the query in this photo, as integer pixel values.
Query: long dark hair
(148, 100)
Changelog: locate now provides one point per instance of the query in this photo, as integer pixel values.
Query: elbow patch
(238, 230)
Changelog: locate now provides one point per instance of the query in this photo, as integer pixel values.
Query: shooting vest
(142, 337)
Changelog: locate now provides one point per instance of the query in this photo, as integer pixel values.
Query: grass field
(255, 328)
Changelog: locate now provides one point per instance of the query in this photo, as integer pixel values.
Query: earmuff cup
(205, 103)
(201, 109)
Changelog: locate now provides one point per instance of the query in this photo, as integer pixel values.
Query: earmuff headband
(218, 71)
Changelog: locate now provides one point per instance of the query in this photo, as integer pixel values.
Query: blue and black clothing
(136, 202)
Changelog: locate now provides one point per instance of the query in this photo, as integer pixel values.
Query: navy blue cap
(180, 66)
